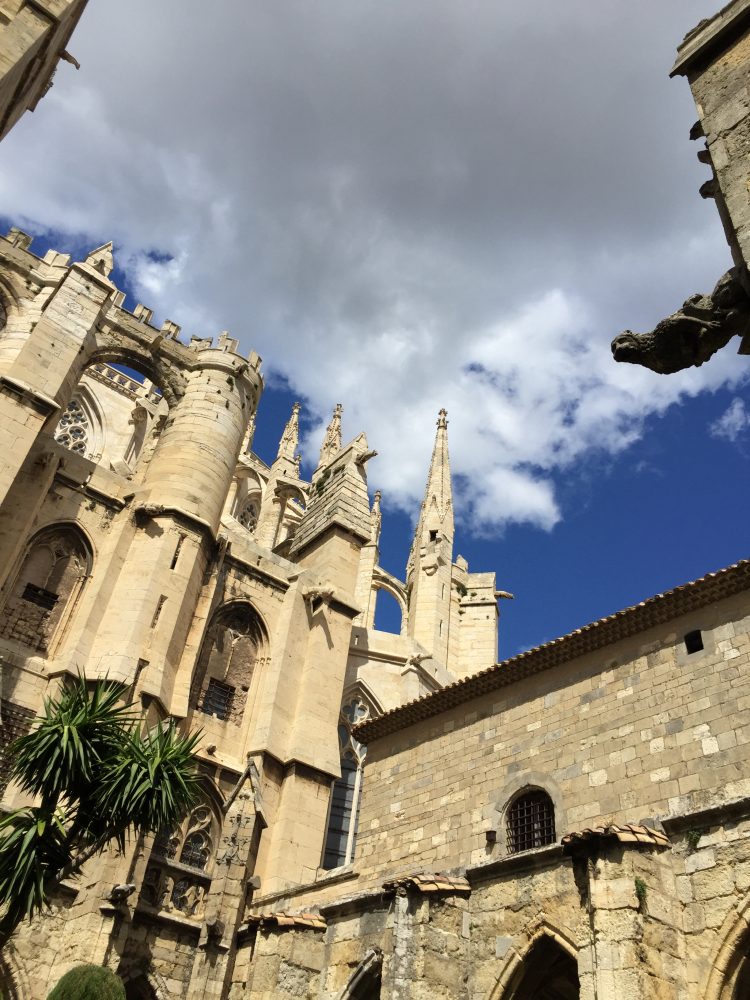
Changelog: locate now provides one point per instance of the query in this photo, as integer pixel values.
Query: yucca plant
(96, 775)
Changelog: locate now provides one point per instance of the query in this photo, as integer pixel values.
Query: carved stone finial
(442, 420)
(247, 442)
(290, 437)
(376, 518)
(694, 333)
(332, 441)
(102, 259)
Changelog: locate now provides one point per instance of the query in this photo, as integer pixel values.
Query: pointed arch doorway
(548, 972)
(366, 982)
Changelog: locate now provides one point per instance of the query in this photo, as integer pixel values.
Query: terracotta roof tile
(291, 920)
(428, 882)
(654, 611)
(628, 833)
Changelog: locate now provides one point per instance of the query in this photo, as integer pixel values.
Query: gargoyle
(694, 333)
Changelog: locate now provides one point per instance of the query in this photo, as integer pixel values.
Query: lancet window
(248, 516)
(191, 843)
(167, 884)
(227, 663)
(47, 587)
(73, 429)
(343, 812)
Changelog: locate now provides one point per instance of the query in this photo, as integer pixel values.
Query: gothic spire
(290, 437)
(438, 492)
(332, 441)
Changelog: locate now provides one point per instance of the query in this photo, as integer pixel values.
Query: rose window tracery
(73, 429)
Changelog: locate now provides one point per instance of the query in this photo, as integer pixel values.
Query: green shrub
(641, 891)
(88, 982)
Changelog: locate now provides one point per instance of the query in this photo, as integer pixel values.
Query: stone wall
(639, 729)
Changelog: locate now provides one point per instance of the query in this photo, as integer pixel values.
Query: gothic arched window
(46, 589)
(226, 664)
(73, 429)
(248, 516)
(343, 812)
(191, 845)
(531, 821)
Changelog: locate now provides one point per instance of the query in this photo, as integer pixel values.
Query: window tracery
(343, 813)
(166, 884)
(191, 843)
(249, 514)
(73, 429)
(227, 662)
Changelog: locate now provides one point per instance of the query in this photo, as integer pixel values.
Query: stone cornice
(597, 635)
(711, 36)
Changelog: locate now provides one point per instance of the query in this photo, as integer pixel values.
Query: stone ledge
(710, 816)
(710, 36)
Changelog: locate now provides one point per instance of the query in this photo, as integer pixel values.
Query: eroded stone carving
(692, 334)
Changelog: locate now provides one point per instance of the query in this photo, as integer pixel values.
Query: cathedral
(381, 815)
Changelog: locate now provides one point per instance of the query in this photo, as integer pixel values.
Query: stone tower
(33, 41)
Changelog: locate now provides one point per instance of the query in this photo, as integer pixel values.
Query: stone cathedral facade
(382, 815)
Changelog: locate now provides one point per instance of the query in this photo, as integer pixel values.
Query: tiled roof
(654, 611)
(627, 833)
(281, 919)
(428, 882)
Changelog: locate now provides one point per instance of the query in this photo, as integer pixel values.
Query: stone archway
(729, 968)
(547, 971)
(366, 982)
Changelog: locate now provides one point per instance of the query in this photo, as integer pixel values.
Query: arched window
(191, 843)
(248, 516)
(531, 821)
(343, 812)
(388, 611)
(227, 662)
(167, 885)
(46, 589)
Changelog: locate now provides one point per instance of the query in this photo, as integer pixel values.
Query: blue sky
(403, 207)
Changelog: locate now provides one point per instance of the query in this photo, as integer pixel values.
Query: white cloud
(733, 422)
(400, 207)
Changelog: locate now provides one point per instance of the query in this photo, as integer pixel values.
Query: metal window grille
(218, 699)
(38, 595)
(531, 822)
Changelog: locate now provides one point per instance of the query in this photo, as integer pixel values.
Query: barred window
(531, 822)
(218, 699)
